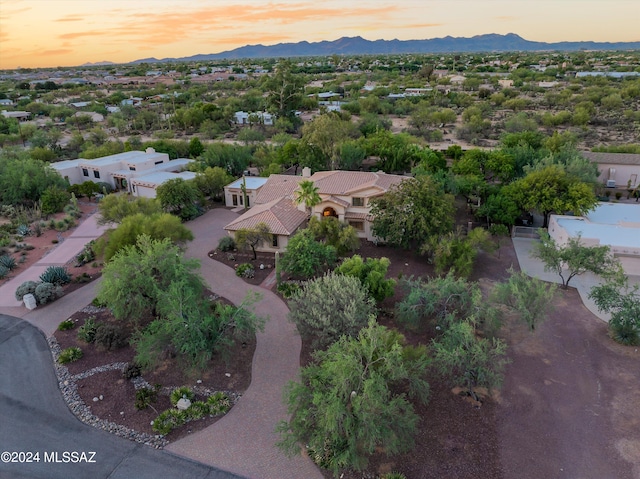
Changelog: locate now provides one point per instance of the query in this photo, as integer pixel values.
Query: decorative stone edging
(69, 389)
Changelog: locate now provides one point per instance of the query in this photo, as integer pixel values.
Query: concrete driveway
(35, 419)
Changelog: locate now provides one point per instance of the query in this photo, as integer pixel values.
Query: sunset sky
(49, 33)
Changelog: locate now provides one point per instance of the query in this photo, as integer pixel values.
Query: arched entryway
(328, 211)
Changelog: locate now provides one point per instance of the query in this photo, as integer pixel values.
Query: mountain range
(359, 46)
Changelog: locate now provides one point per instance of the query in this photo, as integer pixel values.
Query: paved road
(35, 418)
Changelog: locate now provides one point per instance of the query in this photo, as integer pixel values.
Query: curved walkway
(244, 441)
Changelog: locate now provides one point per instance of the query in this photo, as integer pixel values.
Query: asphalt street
(37, 426)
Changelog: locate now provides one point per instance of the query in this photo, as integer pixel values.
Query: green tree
(530, 297)
(574, 258)
(54, 199)
(305, 257)
(211, 182)
(179, 197)
(307, 194)
(139, 275)
(115, 208)
(435, 301)
(329, 307)
(623, 303)
(158, 226)
(469, 360)
(24, 180)
(329, 230)
(284, 90)
(193, 327)
(412, 212)
(326, 133)
(353, 399)
(195, 147)
(372, 274)
(550, 190)
(250, 238)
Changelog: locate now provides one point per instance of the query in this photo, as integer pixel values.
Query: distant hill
(359, 46)
(97, 64)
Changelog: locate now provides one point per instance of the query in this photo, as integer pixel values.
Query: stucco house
(235, 196)
(136, 172)
(345, 195)
(617, 169)
(616, 225)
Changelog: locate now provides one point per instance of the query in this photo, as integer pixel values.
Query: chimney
(306, 172)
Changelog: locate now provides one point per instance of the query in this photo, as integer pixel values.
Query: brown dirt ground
(569, 407)
(44, 243)
(119, 393)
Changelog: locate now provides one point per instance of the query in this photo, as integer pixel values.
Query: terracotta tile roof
(280, 215)
(612, 158)
(349, 182)
(337, 200)
(350, 215)
(278, 186)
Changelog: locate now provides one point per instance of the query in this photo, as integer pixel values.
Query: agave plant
(8, 262)
(4, 271)
(56, 275)
(23, 230)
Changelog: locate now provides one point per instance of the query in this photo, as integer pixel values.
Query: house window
(159, 162)
(274, 241)
(358, 225)
(357, 201)
(96, 174)
(85, 172)
(234, 199)
(132, 168)
(241, 200)
(247, 202)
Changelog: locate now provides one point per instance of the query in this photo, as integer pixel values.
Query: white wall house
(136, 172)
(261, 117)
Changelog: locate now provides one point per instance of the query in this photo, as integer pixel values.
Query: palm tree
(307, 194)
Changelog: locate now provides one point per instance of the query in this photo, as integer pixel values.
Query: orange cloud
(62, 51)
(168, 27)
(74, 35)
(254, 40)
(70, 18)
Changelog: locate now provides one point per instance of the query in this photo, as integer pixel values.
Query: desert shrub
(245, 270)
(168, 420)
(66, 325)
(146, 396)
(329, 307)
(97, 303)
(371, 273)
(131, 370)
(197, 410)
(69, 355)
(110, 336)
(87, 332)
(56, 275)
(288, 288)
(226, 243)
(47, 293)
(28, 287)
(219, 403)
(624, 333)
(393, 475)
(4, 271)
(86, 255)
(8, 262)
(179, 393)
